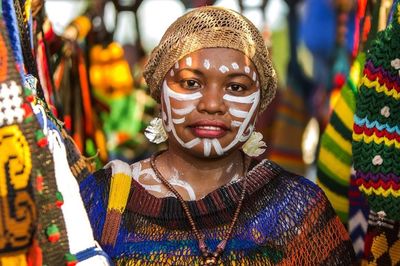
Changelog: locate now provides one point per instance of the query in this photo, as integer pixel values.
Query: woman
(204, 200)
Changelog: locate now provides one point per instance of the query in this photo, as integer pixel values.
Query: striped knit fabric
(335, 161)
(376, 143)
(285, 220)
(287, 131)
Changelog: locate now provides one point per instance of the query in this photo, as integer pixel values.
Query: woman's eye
(190, 84)
(236, 88)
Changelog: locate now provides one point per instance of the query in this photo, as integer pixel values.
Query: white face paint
(241, 135)
(254, 76)
(188, 61)
(244, 130)
(168, 120)
(223, 69)
(206, 64)
(172, 73)
(176, 116)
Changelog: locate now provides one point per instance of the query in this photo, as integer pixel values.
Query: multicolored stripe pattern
(285, 220)
(376, 144)
(376, 132)
(335, 161)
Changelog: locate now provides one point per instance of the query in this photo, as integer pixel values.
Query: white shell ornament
(155, 131)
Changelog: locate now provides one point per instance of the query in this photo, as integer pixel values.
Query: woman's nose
(212, 100)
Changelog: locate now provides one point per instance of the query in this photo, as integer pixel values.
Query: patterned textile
(17, 208)
(382, 241)
(285, 220)
(43, 220)
(287, 131)
(376, 144)
(376, 136)
(335, 161)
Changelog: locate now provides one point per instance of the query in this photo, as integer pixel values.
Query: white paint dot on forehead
(176, 65)
(223, 69)
(206, 64)
(247, 69)
(172, 73)
(235, 65)
(188, 61)
(254, 76)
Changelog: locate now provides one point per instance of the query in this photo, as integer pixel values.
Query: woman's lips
(206, 129)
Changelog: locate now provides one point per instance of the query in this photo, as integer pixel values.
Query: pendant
(210, 260)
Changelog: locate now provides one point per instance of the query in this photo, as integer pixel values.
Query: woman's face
(210, 99)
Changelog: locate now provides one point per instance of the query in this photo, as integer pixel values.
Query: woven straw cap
(211, 27)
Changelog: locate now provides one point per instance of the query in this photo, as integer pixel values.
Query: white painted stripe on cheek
(178, 121)
(217, 147)
(241, 99)
(184, 111)
(207, 147)
(223, 69)
(172, 73)
(206, 64)
(182, 96)
(192, 143)
(188, 61)
(247, 69)
(235, 123)
(235, 66)
(238, 113)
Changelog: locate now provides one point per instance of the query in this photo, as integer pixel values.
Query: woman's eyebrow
(193, 70)
(239, 74)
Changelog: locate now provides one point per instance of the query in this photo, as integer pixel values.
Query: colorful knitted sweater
(285, 220)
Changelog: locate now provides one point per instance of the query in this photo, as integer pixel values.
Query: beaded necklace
(209, 258)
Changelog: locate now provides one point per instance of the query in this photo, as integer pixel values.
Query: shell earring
(254, 146)
(155, 131)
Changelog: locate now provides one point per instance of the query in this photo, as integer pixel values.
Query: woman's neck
(201, 175)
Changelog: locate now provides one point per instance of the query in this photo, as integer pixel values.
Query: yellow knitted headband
(209, 27)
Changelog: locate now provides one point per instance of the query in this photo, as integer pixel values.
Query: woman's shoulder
(118, 167)
(280, 178)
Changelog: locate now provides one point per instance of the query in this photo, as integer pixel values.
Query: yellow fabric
(119, 192)
(343, 143)
(345, 114)
(379, 88)
(13, 260)
(376, 139)
(342, 170)
(339, 203)
(379, 191)
(15, 153)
